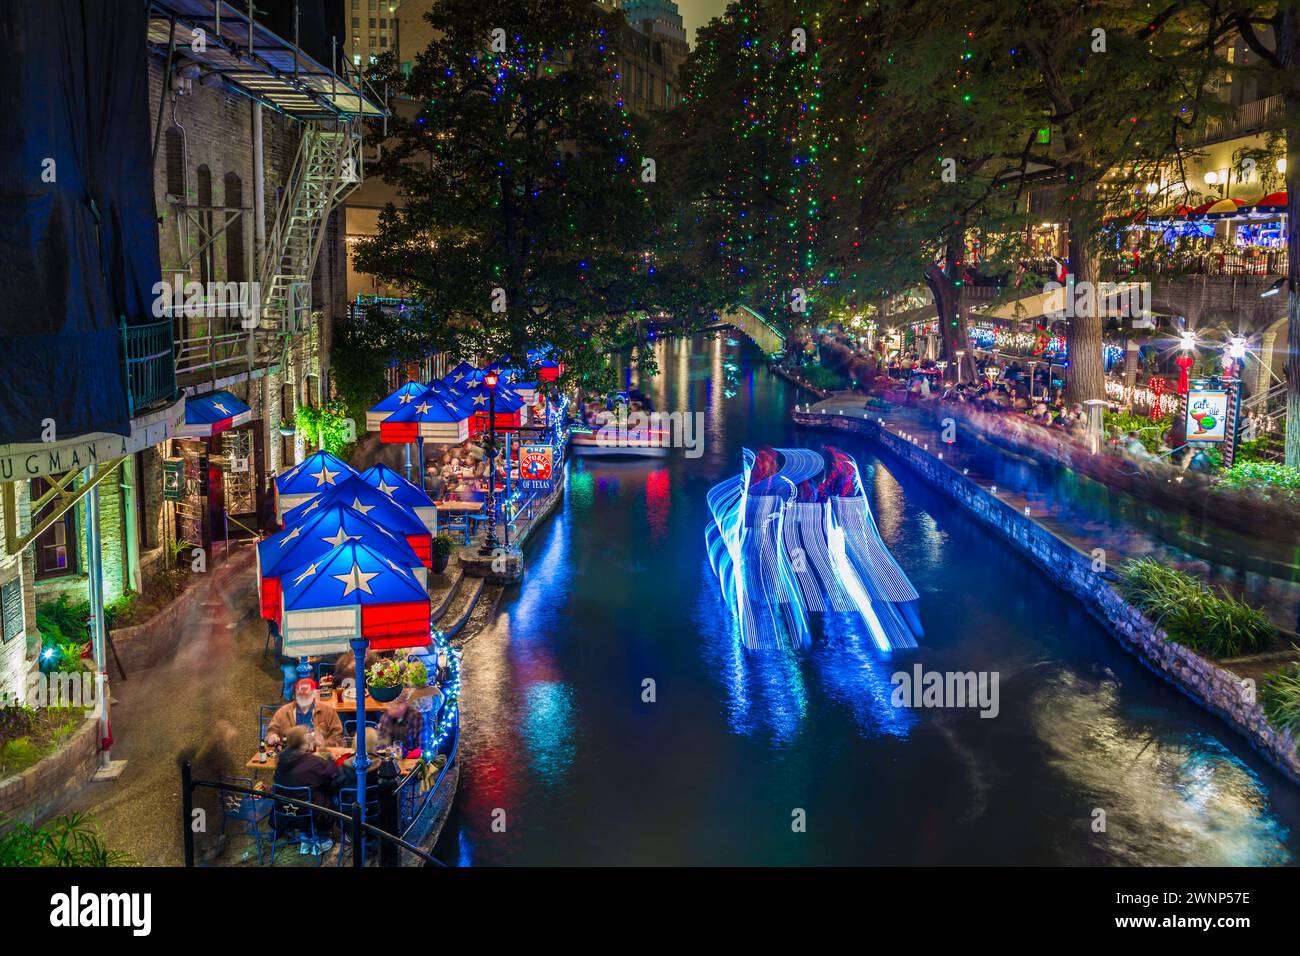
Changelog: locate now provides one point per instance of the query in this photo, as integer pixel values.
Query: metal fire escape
(327, 168)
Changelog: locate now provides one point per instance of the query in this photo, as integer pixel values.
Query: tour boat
(617, 432)
(793, 535)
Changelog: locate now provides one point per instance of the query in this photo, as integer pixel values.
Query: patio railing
(1272, 263)
(149, 363)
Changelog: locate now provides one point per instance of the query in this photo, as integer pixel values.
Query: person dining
(345, 668)
(347, 776)
(403, 725)
(300, 766)
(305, 711)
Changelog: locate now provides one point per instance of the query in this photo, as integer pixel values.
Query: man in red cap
(305, 710)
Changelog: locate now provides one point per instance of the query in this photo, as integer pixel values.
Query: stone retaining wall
(33, 795)
(1214, 688)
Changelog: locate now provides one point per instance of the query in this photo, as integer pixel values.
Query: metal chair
(247, 811)
(272, 638)
(347, 797)
(264, 714)
(350, 727)
(288, 818)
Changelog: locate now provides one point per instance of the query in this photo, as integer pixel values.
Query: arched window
(203, 177)
(234, 234)
(173, 149)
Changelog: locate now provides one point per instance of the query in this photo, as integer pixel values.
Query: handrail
(428, 796)
(188, 783)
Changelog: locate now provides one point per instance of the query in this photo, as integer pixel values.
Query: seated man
(300, 766)
(348, 771)
(402, 724)
(307, 712)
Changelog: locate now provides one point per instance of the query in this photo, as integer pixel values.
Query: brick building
(243, 110)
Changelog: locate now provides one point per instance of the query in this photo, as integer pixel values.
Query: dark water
(563, 762)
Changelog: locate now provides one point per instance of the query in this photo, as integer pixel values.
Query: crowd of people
(461, 472)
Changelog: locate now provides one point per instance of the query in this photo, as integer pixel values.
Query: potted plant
(416, 675)
(386, 679)
(442, 548)
(287, 427)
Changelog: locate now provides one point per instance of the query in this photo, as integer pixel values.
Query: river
(754, 759)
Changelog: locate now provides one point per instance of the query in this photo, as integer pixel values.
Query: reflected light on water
(1173, 796)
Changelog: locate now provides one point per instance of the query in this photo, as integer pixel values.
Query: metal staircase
(326, 169)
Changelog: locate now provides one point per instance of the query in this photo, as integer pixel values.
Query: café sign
(1207, 414)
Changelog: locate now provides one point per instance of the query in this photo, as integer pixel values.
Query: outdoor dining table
(465, 508)
(349, 706)
(406, 764)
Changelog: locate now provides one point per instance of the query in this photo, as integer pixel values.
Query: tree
(751, 144)
(1272, 31)
(527, 217)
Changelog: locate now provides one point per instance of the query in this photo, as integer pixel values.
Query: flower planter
(385, 694)
(440, 562)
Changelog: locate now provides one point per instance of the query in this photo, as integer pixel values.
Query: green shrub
(61, 621)
(18, 754)
(1150, 433)
(1262, 472)
(823, 378)
(1191, 613)
(443, 544)
(69, 840)
(1279, 695)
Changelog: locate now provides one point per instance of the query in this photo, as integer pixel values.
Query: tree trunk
(1086, 377)
(1292, 106)
(947, 300)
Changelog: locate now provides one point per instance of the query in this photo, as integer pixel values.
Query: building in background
(255, 143)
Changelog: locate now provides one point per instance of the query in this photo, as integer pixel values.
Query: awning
(353, 591)
(256, 61)
(1272, 204)
(213, 413)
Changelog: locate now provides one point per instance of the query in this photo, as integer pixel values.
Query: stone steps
(459, 606)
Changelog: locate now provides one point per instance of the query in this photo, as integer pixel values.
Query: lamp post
(490, 542)
(961, 354)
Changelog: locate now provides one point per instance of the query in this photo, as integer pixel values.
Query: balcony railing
(1273, 263)
(1246, 118)
(149, 359)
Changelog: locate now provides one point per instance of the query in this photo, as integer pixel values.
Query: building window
(383, 23)
(235, 271)
(356, 22)
(56, 546)
(372, 23)
(383, 42)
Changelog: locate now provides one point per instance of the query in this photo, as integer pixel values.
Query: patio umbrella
(1272, 204)
(352, 597)
(313, 475)
(462, 375)
(375, 505)
(213, 413)
(405, 493)
(1222, 209)
(511, 409)
(433, 416)
(329, 527)
(394, 402)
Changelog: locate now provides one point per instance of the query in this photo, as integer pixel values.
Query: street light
(490, 542)
(961, 354)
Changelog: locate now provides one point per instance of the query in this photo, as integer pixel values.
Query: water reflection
(1172, 796)
(618, 589)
